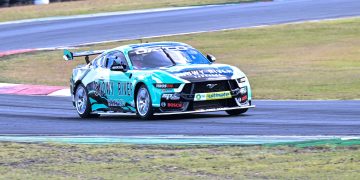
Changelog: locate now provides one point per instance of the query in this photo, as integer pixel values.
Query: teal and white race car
(159, 78)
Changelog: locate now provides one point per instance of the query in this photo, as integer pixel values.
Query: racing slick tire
(82, 103)
(143, 103)
(235, 112)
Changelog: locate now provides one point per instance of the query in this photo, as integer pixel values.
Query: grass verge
(59, 161)
(317, 60)
(98, 6)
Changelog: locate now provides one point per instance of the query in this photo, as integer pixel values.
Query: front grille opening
(205, 87)
(233, 84)
(187, 88)
(213, 104)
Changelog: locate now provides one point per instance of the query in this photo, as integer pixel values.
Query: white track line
(101, 14)
(8, 85)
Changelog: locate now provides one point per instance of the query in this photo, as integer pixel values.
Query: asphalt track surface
(131, 26)
(45, 115)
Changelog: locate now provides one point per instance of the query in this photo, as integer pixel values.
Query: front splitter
(205, 110)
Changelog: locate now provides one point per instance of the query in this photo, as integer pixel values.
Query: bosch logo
(174, 105)
(210, 86)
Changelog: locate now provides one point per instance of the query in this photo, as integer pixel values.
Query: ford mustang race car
(159, 78)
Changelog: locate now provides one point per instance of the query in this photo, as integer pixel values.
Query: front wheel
(235, 112)
(144, 108)
(82, 103)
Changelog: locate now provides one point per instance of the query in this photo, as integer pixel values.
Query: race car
(160, 78)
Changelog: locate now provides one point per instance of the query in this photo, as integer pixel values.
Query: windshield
(151, 58)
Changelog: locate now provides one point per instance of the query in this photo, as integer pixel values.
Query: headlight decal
(166, 86)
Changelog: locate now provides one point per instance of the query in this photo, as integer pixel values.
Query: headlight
(166, 86)
(241, 80)
(243, 90)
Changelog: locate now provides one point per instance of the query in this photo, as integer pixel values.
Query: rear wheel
(82, 103)
(235, 112)
(144, 108)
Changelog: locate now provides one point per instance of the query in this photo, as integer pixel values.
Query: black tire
(83, 111)
(236, 112)
(149, 112)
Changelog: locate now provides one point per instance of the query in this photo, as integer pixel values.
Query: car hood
(205, 72)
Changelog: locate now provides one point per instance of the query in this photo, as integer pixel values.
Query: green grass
(98, 6)
(318, 60)
(59, 161)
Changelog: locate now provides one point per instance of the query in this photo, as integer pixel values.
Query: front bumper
(237, 97)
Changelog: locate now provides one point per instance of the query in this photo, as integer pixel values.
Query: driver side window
(116, 58)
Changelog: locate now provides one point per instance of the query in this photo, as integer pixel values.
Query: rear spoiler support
(68, 55)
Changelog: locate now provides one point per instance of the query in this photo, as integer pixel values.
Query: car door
(119, 80)
(100, 88)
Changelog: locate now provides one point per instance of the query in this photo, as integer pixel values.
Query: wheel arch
(77, 83)
(137, 86)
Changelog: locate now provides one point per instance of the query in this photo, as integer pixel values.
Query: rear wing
(68, 55)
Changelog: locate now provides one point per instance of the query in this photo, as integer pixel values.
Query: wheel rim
(80, 100)
(143, 101)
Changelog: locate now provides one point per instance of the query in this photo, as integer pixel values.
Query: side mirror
(118, 67)
(211, 58)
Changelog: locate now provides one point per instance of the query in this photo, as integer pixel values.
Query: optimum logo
(210, 86)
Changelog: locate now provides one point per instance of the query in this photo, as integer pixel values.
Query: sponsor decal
(116, 102)
(163, 104)
(174, 105)
(206, 73)
(164, 86)
(171, 96)
(104, 88)
(117, 67)
(212, 96)
(124, 88)
(145, 50)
